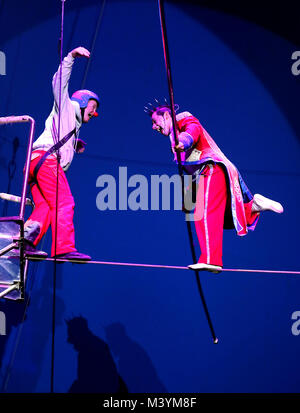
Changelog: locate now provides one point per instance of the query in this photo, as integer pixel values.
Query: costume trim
(205, 213)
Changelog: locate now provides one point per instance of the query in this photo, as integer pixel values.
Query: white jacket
(70, 116)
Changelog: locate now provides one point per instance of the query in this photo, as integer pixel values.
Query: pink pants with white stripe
(44, 197)
(212, 202)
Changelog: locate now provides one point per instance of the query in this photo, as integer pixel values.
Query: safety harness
(54, 148)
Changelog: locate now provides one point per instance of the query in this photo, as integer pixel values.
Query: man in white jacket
(59, 141)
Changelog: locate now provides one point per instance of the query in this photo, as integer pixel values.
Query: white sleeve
(67, 65)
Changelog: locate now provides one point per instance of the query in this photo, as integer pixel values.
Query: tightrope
(170, 267)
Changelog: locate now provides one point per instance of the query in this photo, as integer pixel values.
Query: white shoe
(261, 203)
(200, 266)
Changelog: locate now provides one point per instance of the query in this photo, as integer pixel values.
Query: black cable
(100, 16)
(56, 208)
(180, 169)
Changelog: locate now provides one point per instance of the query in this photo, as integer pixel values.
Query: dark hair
(160, 109)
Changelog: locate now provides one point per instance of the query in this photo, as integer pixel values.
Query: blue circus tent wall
(144, 330)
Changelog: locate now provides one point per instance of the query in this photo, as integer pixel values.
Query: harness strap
(50, 151)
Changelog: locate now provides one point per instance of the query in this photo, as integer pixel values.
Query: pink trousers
(210, 209)
(44, 197)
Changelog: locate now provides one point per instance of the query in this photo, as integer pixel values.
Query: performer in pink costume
(225, 201)
(75, 111)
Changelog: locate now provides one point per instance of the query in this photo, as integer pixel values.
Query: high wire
(162, 266)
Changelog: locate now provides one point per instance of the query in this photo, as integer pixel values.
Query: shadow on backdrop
(134, 364)
(96, 370)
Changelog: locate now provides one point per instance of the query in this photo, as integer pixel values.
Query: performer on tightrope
(75, 111)
(224, 201)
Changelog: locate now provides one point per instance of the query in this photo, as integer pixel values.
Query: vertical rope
(93, 43)
(56, 211)
(171, 94)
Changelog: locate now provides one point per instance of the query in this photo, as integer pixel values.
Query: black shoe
(74, 255)
(31, 251)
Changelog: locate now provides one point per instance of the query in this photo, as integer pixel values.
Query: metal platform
(13, 265)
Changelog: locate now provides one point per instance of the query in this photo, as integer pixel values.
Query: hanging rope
(61, 42)
(180, 169)
(100, 16)
(56, 210)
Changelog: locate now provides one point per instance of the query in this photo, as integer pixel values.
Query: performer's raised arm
(67, 65)
(47, 169)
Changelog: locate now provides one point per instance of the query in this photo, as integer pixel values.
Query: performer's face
(162, 123)
(90, 110)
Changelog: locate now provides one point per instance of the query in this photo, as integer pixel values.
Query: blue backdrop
(144, 330)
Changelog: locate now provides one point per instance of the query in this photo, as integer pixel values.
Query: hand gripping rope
(180, 169)
(20, 219)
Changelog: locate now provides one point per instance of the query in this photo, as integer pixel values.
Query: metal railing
(18, 242)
